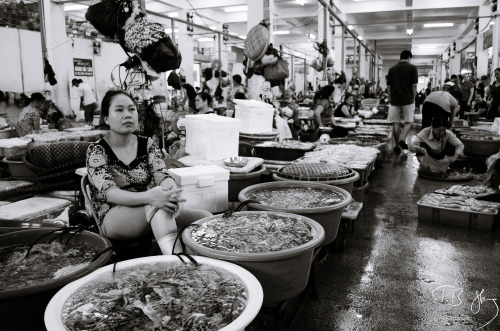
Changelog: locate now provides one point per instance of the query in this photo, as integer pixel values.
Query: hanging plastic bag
(283, 128)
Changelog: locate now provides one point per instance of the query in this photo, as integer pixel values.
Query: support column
(363, 72)
(338, 45)
(496, 41)
(186, 47)
(256, 13)
(54, 34)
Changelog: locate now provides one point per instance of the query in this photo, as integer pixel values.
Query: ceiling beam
(203, 4)
(349, 7)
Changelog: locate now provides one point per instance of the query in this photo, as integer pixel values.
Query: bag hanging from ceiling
(174, 80)
(276, 72)
(257, 42)
(103, 16)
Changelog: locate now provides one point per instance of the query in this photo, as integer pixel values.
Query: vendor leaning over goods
(436, 147)
(439, 104)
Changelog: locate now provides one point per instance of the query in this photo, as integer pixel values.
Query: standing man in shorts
(88, 101)
(402, 82)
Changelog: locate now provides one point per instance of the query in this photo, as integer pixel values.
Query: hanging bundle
(257, 41)
(174, 80)
(277, 72)
(137, 34)
(317, 64)
(49, 73)
(103, 16)
(149, 41)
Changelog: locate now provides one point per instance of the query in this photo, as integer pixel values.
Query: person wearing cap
(88, 101)
(439, 103)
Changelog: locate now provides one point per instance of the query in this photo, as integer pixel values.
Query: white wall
(22, 65)
(21, 59)
(103, 64)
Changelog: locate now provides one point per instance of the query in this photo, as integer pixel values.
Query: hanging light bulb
(409, 31)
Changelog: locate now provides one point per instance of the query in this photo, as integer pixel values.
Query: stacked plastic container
(256, 116)
(203, 187)
(212, 137)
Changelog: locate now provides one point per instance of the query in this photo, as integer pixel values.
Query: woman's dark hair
(3, 97)
(240, 95)
(497, 69)
(190, 91)
(36, 97)
(108, 99)
(237, 79)
(341, 79)
(206, 97)
(324, 93)
(439, 121)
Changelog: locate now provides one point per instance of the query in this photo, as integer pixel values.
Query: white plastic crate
(211, 136)
(204, 187)
(256, 116)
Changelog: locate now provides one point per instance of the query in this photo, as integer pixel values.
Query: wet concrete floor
(397, 273)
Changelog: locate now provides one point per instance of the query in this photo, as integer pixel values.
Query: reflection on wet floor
(399, 274)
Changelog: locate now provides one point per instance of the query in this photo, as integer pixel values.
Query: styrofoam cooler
(256, 116)
(211, 136)
(203, 186)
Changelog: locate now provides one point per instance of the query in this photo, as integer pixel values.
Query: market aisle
(394, 268)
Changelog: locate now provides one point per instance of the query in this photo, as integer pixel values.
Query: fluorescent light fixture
(243, 37)
(281, 32)
(169, 30)
(312, 36)
(360, 38)
(350, 27)
(492, 23)
(426, 46)
(205, 39)
(74, 6)
(213, 27)
(301, 2)
(234, 9)
(173, 14)
(437, 25)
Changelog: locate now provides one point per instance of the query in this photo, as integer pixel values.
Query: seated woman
(55, 117)
(131, 190)
(346, 109)
(480, 109)
(29, 119)
(436, 147)
(220, 105)
(323, 110)
(203, 103)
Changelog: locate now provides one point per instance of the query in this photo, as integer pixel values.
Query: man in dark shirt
(482, 85)
(402, 81)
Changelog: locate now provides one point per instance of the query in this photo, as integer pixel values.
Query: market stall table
(18, 146)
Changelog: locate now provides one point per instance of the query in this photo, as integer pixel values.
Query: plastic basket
(369, 103)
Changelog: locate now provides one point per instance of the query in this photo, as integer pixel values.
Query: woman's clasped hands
(167, 199)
